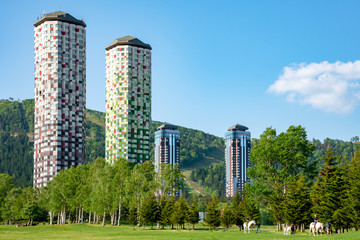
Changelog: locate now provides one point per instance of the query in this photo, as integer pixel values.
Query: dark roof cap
(167, 126)
(128, 40)
(59, 16)
(237, 127)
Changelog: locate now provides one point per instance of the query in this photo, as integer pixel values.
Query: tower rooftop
(167, 126)
(59, 16)
(128, 40)
(238, 127)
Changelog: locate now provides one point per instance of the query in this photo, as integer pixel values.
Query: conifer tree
(212, 216)
(132, 217)
(149, 211)
(162, 210)
(167, 212)
(330, 194)
(354, 196)
(298, 203)
(250, 208)
(193, 213)
(238, 210)
(227, 217)
(179, 212)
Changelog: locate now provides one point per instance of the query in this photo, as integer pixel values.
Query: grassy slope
(86, 231)
(96, 117)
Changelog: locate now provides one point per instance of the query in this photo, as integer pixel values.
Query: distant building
(167, 147)
(128, 100)
(237, 151)
(60, 95)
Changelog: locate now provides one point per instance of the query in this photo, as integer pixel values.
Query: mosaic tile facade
(128, 100)
(60, 95)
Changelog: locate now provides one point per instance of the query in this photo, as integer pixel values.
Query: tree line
(290, 184)
(98, 191)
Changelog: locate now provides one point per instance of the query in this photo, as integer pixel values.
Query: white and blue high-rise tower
(237, 151)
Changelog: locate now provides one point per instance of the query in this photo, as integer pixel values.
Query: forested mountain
(198, 149)
(201, 155)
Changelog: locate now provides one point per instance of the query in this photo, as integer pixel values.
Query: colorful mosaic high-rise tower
(60, 91)
(237, 151)
(128, 100)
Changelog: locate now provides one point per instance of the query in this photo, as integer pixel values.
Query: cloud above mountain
(332, 87)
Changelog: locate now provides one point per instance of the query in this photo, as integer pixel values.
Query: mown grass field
(86, 231)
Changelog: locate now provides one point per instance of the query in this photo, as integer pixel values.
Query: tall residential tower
(237, 151)
(60, 91)
(167, 147)
(128, 100)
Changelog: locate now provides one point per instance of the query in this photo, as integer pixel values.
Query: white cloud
(333, 87)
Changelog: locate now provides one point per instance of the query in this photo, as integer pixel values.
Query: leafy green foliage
(211, 177)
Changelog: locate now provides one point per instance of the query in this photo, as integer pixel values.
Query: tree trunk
(94, 217)
(69, 218)
(143, 226)
(51, 217)
(58, 219)
(119, 212)
(64, 216)
(103, 221)
(151, 226)
(31, 221)
(193, 226)
(89, 217)
(76, 215)
(82, 214)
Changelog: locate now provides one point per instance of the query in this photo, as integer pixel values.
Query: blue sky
(215, 63)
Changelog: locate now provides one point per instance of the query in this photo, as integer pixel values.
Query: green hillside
(201, 155)
(198, 149)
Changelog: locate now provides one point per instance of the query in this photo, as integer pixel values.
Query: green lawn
(86, 231)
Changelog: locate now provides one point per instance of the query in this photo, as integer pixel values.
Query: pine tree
(330, 195)
(250, 208)
(342, 215)
(132, 217)
(166, 213)
(162, 210)
(149, 211)
(298, 203)
(193, 213)
(238, 210)
(212, 216)
(354, 196)
(227, 217)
